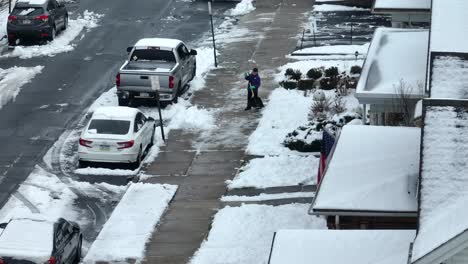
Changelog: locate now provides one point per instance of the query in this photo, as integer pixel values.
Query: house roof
(449, 22)
(341, 246)
(373, 171)
(449, 76)
(401, 5)
(395, 56)
(443, 180)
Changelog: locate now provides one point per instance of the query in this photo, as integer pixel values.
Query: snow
(12, 79)
(286, 110)
(242, 8)
(131, 224)
(205, 63)
(184, 115)
(158, 42)
(266, 197)
(449, 77)
(335, 49)
(395, 55)
(32, 2)
(276, 171)
(448, 21)
(63, 41)
(402, 4)
(115, 112)
(27, 239)
(104, 171)
(443, 196)
(305, 65)
(335, 8)
(418, 109)
(373, 168)
(341, 246)
(244, 234)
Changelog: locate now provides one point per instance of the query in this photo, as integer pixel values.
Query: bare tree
(405, 100)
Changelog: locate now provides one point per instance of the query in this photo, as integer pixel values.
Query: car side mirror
(193, 52)
(129, 49)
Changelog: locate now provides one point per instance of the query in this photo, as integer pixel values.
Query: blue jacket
(254, 80)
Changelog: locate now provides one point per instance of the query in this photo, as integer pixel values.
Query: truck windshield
(112, 127)
(152, 55)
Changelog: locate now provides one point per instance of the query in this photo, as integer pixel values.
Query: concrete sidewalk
(200, 163)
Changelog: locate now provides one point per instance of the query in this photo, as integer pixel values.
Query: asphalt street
(75, 79)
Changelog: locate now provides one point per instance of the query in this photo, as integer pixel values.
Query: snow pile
(276, 171)
(205, 62)
(244, 234)
(337, 8)
(286, 110)
(186, 116)
(449, 78)
(335, 49)
(104, 171)
(341, 246)
(12, 79)
(125, 234)
(242, 8)
(443, 196)
(267, 197)
(63, 41)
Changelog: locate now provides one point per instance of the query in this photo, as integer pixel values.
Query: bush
(289, 72)
(297, 75)
(331, 72)
(314, 73)
(356, 69)
(305, 84)
(321, 106)
(328, 83)
(338, 106)
(288, 85)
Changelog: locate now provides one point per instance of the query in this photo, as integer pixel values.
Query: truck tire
(194, 72)
(123, 102)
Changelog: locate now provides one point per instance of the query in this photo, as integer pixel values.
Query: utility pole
(351, 33)
(212, 33)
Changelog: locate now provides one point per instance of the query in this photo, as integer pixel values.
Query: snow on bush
(242, 8)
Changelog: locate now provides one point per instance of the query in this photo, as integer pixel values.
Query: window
(27, 11)
(152, 55)
(111, 127)
(183, 52)
(139, 122)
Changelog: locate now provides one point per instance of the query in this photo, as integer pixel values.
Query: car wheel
(53, 33)
(137, 163)
(179, 90)
(123, 102)
(65, 23)
(11, 42)
(194, 72)
(78, 251)
(82, 164)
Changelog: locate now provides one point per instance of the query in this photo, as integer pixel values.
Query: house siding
(459, 258)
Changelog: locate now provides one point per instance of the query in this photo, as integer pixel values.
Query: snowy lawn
(305, 64)
(337, 8)
(335, 49)
(286, 110)
(244, 234)
(63, 41)
(125, 234)
(12, 79)
(266, 197)
(276, 171)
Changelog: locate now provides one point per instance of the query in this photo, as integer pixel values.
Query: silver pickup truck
(168, 63)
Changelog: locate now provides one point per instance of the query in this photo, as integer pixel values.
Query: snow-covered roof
(449, 23)
(449, 78)
(444, 177)
(373, 171)
(32, 2)
(404, 5)
(115, 112)
(27, 239)
(158, 42)
(341, 246)
(395, 56)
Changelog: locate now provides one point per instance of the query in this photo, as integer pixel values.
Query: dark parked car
(28, 241)
(36, 19)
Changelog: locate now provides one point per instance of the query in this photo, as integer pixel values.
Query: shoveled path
(200, 163)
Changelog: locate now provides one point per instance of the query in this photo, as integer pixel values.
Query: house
(405, 13)
(393, 75)
(341, 246)
(370, 179)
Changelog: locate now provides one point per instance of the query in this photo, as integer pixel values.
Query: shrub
(288, 85)
(305, 84)
(321, 106)
(331, 72)
(297, 75)
(338, 106)
(356, 69)
(289, 72)
(328, 83)
(314, 73)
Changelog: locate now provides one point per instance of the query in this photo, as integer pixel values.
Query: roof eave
(345, 212)
(401, 10)
(446, 250)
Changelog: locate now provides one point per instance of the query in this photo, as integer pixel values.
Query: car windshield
(152, 55)
(113, 127)
(27, 11)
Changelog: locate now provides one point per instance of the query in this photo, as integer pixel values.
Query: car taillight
(11, 18)
(126, 144)
(171, 82)
(43, 18)
(52, 260)
(2, 261)
(117, 80)
(85, 143)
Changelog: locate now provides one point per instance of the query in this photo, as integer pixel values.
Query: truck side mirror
(129, 49)
(193, 52)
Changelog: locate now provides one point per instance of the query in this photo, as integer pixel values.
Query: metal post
(351, 33)
(9, 6)
(302, 39)
(212, 33)
(315, 41)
